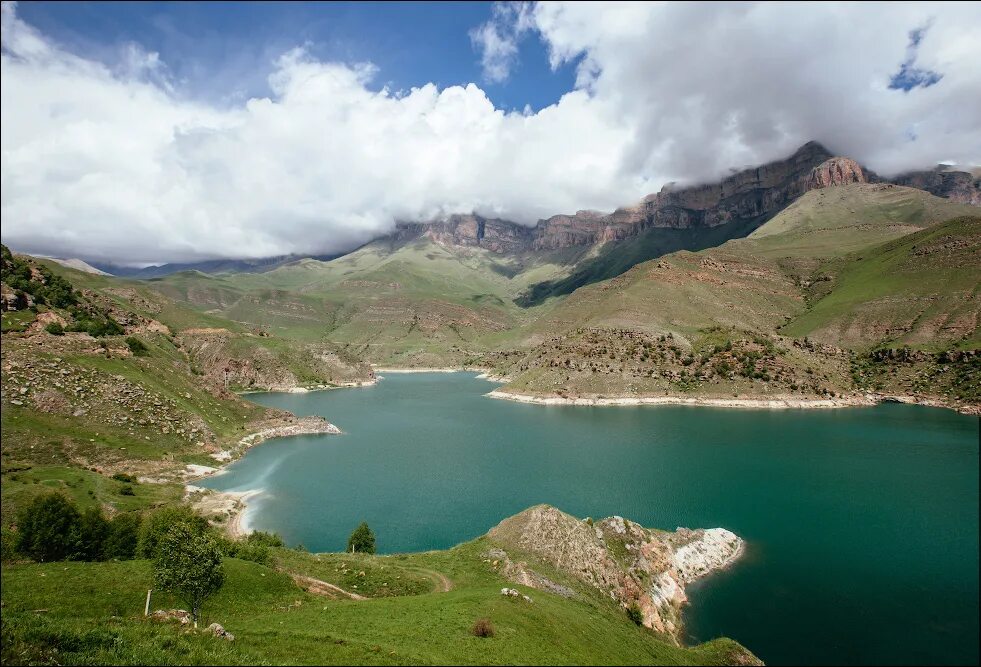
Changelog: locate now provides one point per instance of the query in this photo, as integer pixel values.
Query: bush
(255, 552)
(124, 531)
(362, 540)
(127, 490)
(267, 539)
(482, 627)
(48, 529)
(8, 545)
(159, 523)
(137, 347)
(188, 564)
(123, 477)
(634, 613)
(93, 531)
(55, 329)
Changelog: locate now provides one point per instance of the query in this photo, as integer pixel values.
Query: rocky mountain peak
(835, 171)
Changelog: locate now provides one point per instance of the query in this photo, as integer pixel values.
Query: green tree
(124, 531)
(159, 523)
(48, 528)
(189, 565)
(362, 540)
(92, 532)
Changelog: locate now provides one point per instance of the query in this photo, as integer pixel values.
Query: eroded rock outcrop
(746, 195)
(620, 558)
(945, 182)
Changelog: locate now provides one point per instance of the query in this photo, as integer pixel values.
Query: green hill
(298, 610)
(839, 273)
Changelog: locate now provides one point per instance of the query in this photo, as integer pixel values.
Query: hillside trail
(318, 587)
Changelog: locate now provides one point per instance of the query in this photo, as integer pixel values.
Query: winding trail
(318, 587)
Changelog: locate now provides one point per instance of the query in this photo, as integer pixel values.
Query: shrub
(126, 490)
(123, 477)
(188, 563)
(634, 613)
(362, 540)
(48, 528)
(267, 539)
(159, 523)
(137, 347)
(124, 530)
(482, 627)
(8, 545)
(255, 552)
(92, 534)
(55, 329)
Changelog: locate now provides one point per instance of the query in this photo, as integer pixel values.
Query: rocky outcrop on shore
(623, 560)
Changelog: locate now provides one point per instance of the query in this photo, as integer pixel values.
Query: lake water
(862, 523)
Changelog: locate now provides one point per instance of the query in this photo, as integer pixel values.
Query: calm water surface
(862, 523)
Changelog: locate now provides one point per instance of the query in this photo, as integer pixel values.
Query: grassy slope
(94, 615)
(417, 303)
(756, 286)
(923, 289)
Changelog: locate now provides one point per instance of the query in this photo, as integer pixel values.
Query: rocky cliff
(755, 193)
(631, 564)
(945, 182)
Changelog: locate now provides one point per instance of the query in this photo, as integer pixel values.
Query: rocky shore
(643, 569)
(779, 402)
(772, 403)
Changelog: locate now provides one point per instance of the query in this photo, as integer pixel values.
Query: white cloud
(497, 39)
(111, 163)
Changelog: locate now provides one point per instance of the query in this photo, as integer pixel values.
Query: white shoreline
(751, 403)
(417, 370)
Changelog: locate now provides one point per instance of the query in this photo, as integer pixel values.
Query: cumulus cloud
(497, 39)
(111, 163)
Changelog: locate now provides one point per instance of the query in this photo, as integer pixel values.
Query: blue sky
(224, 51)
(150, 132)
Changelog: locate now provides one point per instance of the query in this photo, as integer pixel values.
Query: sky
(141, 133)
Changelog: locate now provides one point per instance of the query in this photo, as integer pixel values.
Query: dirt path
(318, 587)
(442, 582)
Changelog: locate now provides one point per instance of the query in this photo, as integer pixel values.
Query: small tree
(55, 329)
(362, 540)
(48, 528)
(189, 565)
(124, 530)
(93, 530)
(159, 523)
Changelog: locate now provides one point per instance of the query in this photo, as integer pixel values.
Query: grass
(87, 488)
(93, 615)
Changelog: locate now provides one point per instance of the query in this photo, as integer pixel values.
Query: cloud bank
(114, 164)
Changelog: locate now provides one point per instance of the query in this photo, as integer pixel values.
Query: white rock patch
(713, 549)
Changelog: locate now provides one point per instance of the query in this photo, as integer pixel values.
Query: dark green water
(862, 523)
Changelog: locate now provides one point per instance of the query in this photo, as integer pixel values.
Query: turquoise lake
(862, 523)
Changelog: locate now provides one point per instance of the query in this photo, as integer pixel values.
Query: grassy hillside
(417, 303)
(923, 289)
(841, 272)
(145, 397)
(92, 613)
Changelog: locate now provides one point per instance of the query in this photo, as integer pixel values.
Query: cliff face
(500, 236)
(956, 185)
(748, 194)
(625, 561)
(744, 196)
